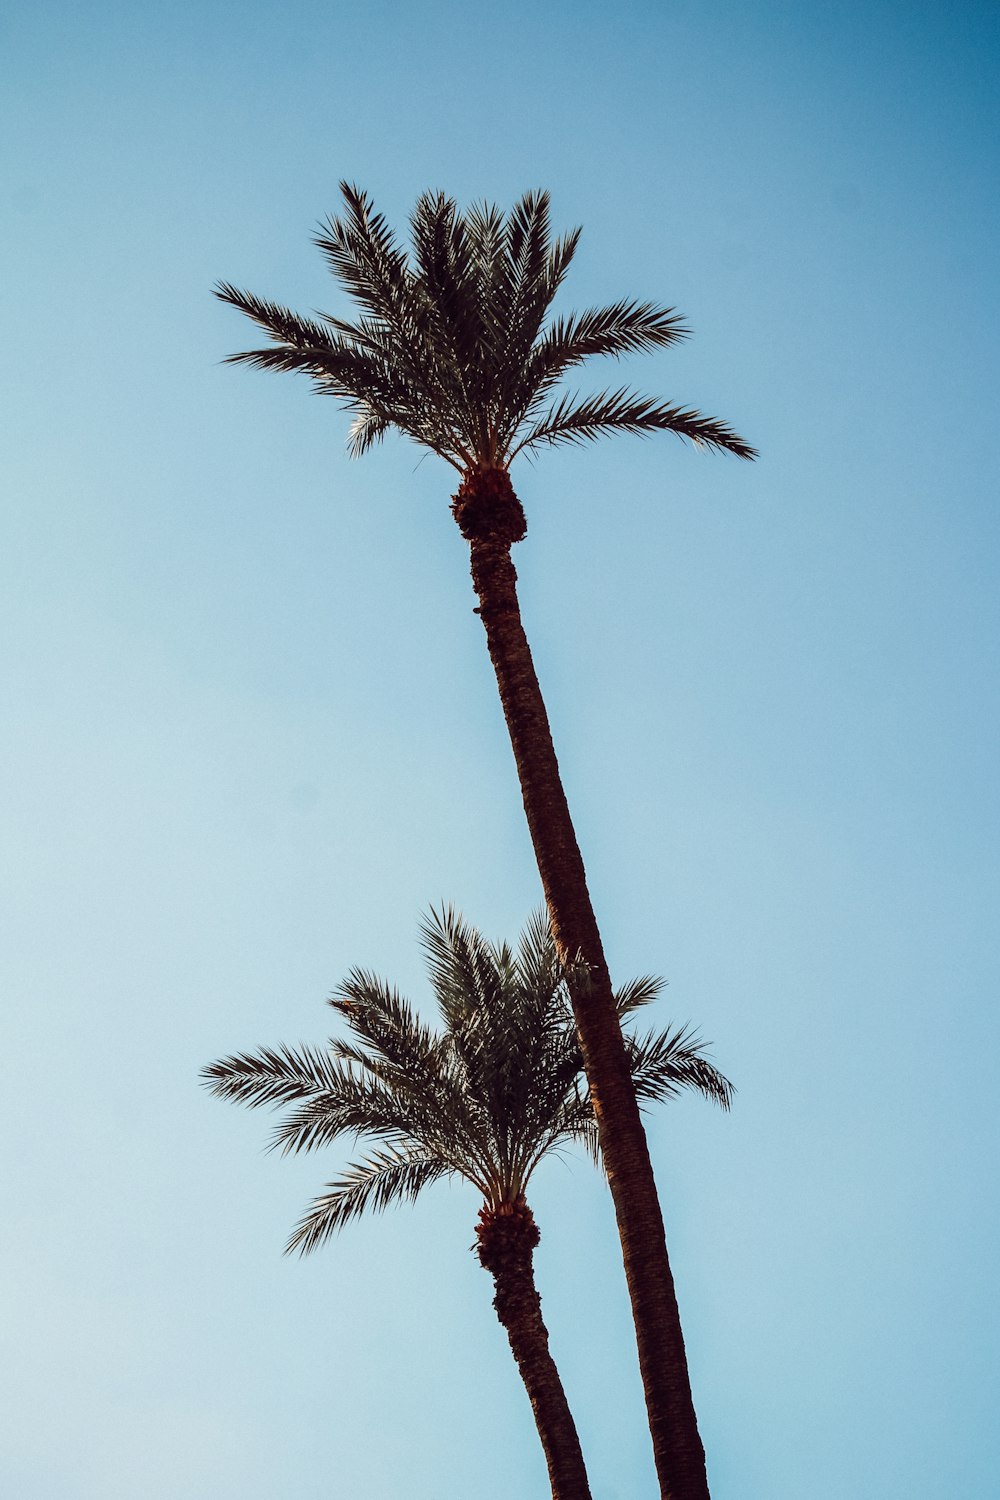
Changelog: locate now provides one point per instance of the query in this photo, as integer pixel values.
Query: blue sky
(252, 734)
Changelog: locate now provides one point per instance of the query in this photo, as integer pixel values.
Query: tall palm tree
(456, 347)
(485, 1098)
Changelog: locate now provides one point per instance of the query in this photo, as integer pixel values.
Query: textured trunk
(491, 519)
(506, 1238)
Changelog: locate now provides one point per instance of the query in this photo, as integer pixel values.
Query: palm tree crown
(456, 347)
(485, 1098)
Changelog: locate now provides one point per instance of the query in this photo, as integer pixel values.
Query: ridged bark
(505, 1241)
(491, 519)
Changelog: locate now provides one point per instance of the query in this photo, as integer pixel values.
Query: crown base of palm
(487, 509)
(506, 1236)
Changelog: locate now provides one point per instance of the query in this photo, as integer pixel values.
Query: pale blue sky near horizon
(251, 733)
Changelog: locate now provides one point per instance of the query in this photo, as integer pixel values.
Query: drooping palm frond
(574, 419)
(485, 1097)
(384, 1177)
(663, 1063)
(456, 346)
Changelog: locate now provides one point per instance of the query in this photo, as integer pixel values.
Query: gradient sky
(251, 733)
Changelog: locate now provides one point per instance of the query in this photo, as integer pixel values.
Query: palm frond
(368, 428)
(459, 965)
(626, 327)
(359, 1105)
(537, 951)
(576, 1122)
(446, 269)
(382, 1178)
(663, 1063)
(638, 992)
(272, 1075)
(279, 322)
(362, 372)
(573, 419)
(378, 1013)
(362, 252)
(537, 267)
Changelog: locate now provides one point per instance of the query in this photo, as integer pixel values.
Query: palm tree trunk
(506, 1238)
(490, 517)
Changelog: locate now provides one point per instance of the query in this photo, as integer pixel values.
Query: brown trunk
(505, 1242)
(490, 518)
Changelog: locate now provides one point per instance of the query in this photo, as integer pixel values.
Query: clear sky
(251, 732)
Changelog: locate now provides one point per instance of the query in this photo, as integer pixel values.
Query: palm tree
(457, 349)
(486, 1098)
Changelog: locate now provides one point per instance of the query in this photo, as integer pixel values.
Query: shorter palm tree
(485, 1098)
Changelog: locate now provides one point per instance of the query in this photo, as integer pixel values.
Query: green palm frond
(359, 1106)
(280, 323)
(574, 419)
(272, 1075)
(368, 428)
(446, 274)
(343, 366)
(638, 992)
(625, 327)
(537, 268)
(362, 253)
(470, 979)
(381, 1017)
(662, 1066)
(384, 1177)
(575, 1122)
(537, 951)
(663, 1063)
